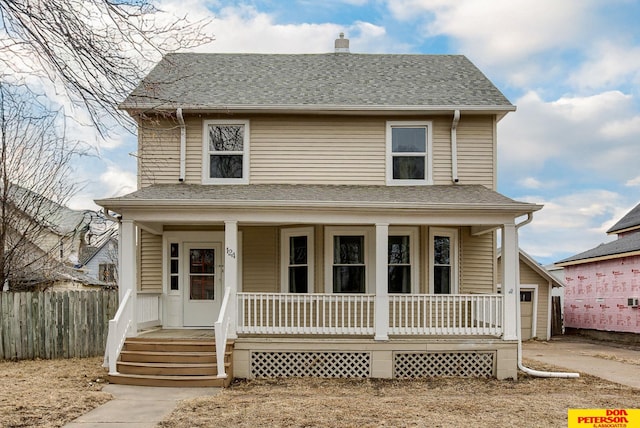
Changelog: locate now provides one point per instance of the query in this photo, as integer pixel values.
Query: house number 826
(231, 253)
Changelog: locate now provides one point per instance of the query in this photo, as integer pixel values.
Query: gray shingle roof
(630, 220)
(437, 197)
(226, 81)
(620, 246)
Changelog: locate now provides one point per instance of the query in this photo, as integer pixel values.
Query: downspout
(183, 143)
(527, 370)
(454, 146)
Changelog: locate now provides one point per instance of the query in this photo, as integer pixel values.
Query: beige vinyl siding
(441, 146)
(317, 150)
(477, 262)
(325, 150)
(529, 276)
(150, 275)
(193, 164)
(260, 259)
(158, 152)
(476, 150)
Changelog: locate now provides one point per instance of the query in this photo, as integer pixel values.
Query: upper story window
(226, 152)
(409, 153)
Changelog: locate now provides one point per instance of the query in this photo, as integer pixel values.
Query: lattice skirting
(434, 364)
(311, 364)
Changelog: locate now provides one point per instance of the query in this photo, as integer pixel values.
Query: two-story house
(331, 214)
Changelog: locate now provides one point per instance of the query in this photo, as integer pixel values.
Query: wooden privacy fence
(55, 324)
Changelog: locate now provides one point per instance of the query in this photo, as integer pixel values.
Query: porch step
(171, 362)
(169, 381)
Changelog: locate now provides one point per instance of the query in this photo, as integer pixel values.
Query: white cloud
(571, 224)
(243, 28)
(530, 183)
(598, 133)
(117, 182)
(501, 30)
(608, 64)
(634, 182)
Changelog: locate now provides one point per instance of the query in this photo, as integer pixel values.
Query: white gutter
(115, 219)
(527, 370)
(454, 146)
(183, 143)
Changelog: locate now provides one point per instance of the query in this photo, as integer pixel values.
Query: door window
(202, 274)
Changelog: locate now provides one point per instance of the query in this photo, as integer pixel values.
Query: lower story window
(297, 260)
(443, 261)
(348, 264)
(399, 264)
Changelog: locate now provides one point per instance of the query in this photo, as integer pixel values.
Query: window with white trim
(409, 153)
(403, 256)
(225, 152)
(297, 260)
(443, 261)
(349, 252)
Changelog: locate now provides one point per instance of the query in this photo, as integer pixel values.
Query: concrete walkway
(613, 362)
(137, 406)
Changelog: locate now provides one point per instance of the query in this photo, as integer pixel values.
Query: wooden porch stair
(172, 363)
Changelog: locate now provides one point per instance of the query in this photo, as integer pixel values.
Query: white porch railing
(222, 332)
(354, 314)
(118, 330)
(148, 309)
(445, 314)
(272, 313)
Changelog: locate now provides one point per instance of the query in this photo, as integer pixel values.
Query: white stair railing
(118, 331)
(222, 333)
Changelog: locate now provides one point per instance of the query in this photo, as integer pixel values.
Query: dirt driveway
(610, 361)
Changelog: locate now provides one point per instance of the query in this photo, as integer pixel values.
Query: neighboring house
(51, 245)
(100, 260)
(536, 285)
(338, 211)
(603, 283)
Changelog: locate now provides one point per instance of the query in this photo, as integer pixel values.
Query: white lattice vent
(434, 364)
(311, 364)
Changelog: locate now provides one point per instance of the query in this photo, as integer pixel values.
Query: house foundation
(366, 358)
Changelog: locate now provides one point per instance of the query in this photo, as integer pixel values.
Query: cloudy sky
(571, 67)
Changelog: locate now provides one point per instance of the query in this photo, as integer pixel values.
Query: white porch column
(510, 280)
(231, 272)
(127, 268)
(382, 282)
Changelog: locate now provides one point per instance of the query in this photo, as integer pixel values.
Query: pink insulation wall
(596, 295)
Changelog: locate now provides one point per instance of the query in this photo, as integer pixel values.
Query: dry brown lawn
(442, 402)
(49, 393)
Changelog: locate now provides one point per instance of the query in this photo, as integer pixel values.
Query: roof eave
(499, 110)
(116, 204)
(599, 258)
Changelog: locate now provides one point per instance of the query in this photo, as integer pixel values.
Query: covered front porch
(325, 282)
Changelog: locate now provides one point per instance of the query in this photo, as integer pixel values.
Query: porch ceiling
(277, 203)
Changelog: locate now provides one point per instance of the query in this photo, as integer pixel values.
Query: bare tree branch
(97, 50)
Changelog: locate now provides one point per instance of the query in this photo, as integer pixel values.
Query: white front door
(203, 275)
